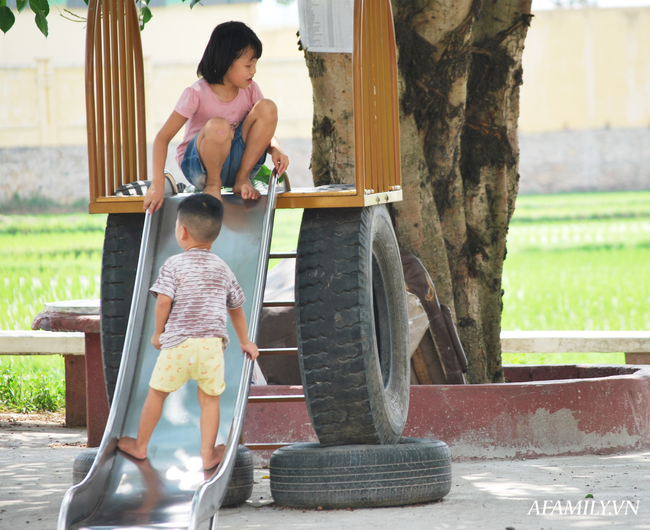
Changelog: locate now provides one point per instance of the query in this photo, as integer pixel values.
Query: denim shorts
(194, 170)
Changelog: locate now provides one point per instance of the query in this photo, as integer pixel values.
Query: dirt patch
(58, 445)
(11, 419)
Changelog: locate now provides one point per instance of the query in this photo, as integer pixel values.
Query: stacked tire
(353, 351)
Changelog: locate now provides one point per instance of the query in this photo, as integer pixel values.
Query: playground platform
(36, 456)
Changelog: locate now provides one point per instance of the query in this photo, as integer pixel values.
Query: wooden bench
(69, 344)
(82, 316)
(635, 344)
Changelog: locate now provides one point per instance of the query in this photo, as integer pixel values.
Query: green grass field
(575, 262)
(578, 262)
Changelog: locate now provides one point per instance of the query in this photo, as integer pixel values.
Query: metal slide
(169, 490)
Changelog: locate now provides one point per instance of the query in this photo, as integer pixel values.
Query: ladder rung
(280, 303)
(267, 447)
(295, 398)
(278, 351)
(282, 255)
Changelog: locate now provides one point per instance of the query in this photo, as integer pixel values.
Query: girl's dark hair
(228, 42)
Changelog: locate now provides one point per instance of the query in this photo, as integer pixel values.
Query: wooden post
(75, 390)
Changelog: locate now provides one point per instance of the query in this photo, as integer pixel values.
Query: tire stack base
(306, 475)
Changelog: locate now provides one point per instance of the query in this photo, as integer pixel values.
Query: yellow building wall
(42, 101)
(586, 69)
(583, 69)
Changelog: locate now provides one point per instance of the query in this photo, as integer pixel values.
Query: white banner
(326, 25)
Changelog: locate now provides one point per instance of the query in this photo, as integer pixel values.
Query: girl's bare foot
(214, 459)
(213, 190)
(130, 447)
(245, 189)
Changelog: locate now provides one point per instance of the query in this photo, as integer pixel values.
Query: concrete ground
(543, 494)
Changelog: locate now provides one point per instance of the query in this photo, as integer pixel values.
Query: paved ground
(36, 469)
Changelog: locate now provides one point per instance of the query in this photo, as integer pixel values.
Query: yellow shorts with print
(198, 359)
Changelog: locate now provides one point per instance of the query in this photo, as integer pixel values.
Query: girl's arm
(155, 196)
(280, 160)
(238, 319)
(163, 308)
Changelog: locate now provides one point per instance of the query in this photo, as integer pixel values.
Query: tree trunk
(490, 156)
(460, 69)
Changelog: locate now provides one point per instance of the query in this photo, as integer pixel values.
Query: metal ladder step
(278, 351)
(291, 398)
(282, 255)
(279, 303)
(268, 446)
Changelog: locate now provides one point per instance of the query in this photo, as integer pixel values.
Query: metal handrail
(204, 503)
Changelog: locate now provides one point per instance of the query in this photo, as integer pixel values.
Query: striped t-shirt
(202, 287)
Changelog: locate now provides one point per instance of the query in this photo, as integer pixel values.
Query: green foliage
(46, 259)
(581, 206)
(41, 9)
(7, 18)
(144, 13)
(32, 384)
(41, 205)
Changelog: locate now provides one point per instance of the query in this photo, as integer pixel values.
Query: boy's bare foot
(214, 459)
(246, 190)
(130, 447)
(213, 190)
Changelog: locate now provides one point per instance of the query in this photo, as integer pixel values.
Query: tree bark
(459, 74)
(490, 156)
(332, 158)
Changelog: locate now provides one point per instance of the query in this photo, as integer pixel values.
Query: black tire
(82, 464)
(240, 487)
(307, 475)
(352, 326)
(119, 265)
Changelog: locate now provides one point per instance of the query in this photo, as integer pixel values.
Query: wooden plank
(41, 343)
(575, 341)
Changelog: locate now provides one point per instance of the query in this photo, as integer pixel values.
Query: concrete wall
(585, 103)
(588, 160)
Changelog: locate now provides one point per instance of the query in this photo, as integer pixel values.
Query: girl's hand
(251, 350)
(154, 198)
(280, 160)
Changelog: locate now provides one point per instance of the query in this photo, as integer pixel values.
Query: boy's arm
(163, 308)
(238, 319)
(280, 160)
(155, 196)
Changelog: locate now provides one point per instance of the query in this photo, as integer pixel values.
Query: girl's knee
(217, 130)
(267, 109)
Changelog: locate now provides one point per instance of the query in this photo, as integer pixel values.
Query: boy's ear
(183, 232)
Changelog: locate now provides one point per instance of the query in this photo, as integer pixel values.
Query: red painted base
(545, 411)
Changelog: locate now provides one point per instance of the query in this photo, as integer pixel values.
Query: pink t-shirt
(199, 104)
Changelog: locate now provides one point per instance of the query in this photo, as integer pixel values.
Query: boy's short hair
(201, 214)
(228, 42)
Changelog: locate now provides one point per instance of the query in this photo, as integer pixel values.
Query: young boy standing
(194, 292)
